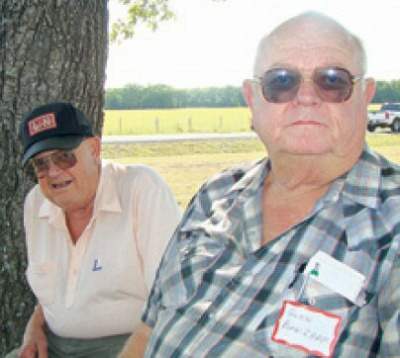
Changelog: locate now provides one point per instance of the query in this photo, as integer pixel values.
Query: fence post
(190, 125)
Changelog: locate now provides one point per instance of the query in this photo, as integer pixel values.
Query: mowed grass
(185, 120)
(374, 107)
(187, 165)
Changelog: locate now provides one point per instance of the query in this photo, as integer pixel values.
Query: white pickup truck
(387, 117)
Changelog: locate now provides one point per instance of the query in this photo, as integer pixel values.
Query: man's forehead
(309, 38)
(305, 44)
(312, 54)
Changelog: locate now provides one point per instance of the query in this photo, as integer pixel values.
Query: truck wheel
(396, 125)
(370, 128)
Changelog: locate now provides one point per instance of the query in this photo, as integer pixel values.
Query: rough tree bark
(49, 50)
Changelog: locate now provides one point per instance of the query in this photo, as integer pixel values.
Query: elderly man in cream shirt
(95, 232)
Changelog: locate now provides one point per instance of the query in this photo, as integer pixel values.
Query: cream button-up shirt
(97, 287)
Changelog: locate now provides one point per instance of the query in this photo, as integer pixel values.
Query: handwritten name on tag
(307, 328)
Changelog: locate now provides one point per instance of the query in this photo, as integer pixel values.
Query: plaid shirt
(218, 291)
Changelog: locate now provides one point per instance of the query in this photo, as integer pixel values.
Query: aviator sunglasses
(63, 159)
(332, 84)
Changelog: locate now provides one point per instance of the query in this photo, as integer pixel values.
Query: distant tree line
(134, 96)
(162, 96)
(387, 91)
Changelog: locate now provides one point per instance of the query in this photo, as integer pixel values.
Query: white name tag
(337, 276)
(307, 328)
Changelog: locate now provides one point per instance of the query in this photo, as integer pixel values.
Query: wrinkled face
(75, 187)
(307, 124)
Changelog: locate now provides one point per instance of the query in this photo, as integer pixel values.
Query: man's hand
(137, 342)
(35, 341)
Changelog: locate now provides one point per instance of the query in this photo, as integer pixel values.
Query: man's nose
(53, 170)
(307, 95)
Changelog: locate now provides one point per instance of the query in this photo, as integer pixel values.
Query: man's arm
(135, 346)
(34, 342)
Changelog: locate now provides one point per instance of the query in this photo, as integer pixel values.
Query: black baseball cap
(57, 125)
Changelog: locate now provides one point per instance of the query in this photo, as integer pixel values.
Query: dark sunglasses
(332, 84)
(63, 159)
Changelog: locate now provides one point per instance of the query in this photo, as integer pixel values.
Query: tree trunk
(50, 50)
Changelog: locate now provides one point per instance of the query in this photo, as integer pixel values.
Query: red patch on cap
(42, 123)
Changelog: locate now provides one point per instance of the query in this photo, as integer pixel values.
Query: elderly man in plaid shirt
(296, 255)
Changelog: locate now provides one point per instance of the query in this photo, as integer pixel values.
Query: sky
(213, 43)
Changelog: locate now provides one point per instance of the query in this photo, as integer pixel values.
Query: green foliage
(387, 91)
(150, 12)
(134, 96)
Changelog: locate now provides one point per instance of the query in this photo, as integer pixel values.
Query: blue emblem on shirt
(96, 265)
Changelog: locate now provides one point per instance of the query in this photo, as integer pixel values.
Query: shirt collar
(228, 217)
(54, 214)
(107, 198)
(254, 177)
(361, 184)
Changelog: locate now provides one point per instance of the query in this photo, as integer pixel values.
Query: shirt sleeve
(169, 286)
(168, 271)
(158, 215)
(389, 312)
(153, 303)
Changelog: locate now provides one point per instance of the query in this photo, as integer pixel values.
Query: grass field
(185, 120)
(185, 166)
(374, 107)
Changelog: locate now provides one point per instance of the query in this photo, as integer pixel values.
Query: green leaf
(149, 12)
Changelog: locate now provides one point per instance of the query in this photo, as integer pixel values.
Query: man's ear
(248, 94)
(95, 147)
(247, 90)
(370, 89)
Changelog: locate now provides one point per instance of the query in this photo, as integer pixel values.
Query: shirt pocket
(306, 291)
(42, 280)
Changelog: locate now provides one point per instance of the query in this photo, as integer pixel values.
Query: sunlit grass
(374, 107)
(219, 120)
(186, 165)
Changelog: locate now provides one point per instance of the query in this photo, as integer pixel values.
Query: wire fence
(176, 121)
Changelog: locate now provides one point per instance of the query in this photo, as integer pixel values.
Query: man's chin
(309, 150)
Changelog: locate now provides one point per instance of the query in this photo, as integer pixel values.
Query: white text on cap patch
(42, 123)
